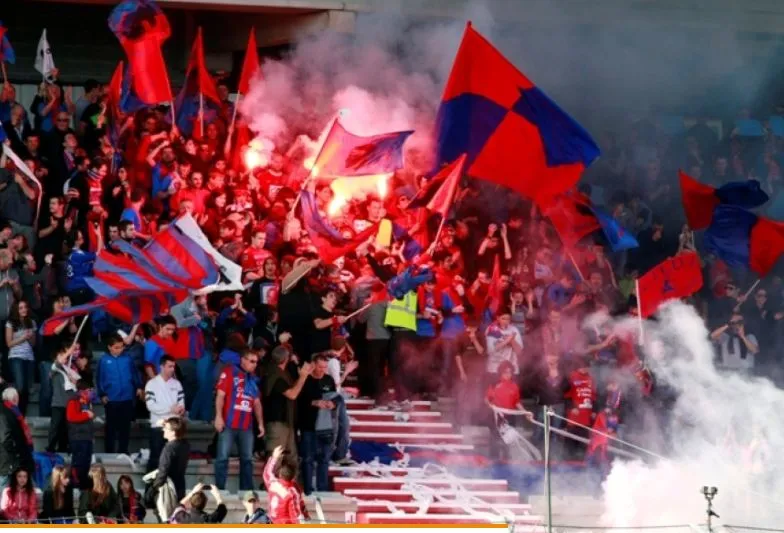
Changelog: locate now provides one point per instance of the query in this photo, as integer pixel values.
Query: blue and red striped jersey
(241, 391)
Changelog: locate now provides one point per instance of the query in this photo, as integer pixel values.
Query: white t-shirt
(23, 350)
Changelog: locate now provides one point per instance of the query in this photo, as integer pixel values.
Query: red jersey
(252, 259)
(582, 394)
(286, 503)
(504, 394)
(241, 392)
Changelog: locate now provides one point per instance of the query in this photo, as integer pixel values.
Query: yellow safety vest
(402, 313)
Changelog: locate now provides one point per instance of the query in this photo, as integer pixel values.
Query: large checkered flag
(44, 62)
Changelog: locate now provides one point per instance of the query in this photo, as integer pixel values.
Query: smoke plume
(723, 433)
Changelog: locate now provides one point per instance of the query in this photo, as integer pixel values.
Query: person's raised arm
(294, 391)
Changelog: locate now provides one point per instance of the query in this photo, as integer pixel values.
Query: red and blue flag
(142, 27)
(513, 133)
(574, 216)
(699, 200)
(346, 154)
(734, 234)
(131, 307)
(7, 53)
(329, 242)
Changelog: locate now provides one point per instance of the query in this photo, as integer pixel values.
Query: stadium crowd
(498, 318)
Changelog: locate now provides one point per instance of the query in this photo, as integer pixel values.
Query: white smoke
(718, 420)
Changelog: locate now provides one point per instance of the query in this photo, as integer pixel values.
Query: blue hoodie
(118, 378)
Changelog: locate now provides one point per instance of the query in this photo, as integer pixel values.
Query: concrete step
(444, 519)
(375, 415)
(341, 484)
(406, 496)
(518, 509)
(409, 438)
(362, 471)
(366, 403)
(401, 427)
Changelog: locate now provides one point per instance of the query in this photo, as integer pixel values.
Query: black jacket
(14, 450)
(172, 464)
(66, 511)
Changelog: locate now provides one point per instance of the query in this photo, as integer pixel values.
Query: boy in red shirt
(286, 502)
(506, 395)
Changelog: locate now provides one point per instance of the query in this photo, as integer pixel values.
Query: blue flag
(618, 238)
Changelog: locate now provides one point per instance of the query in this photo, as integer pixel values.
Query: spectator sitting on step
(19, 502)
(255, 514)
(191, 509)
(100, 499)
(132, 509)
(58, 506)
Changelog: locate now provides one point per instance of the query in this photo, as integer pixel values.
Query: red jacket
(286, 503)
(20, 506)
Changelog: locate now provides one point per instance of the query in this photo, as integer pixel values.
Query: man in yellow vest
(401, 319)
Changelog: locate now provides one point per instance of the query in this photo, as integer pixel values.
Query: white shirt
(162, 397)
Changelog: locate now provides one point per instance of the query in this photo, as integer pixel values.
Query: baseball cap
(250, 496)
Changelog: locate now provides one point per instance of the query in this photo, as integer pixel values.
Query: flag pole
(355, 313)
(79, 331)
(639, 311)
(201, 113)
(5, 74)
(227, 147)
(310, 170)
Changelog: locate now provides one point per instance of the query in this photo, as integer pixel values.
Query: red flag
(250, 66)
(445, 195)
(197, 71)
(677, 277)
(571, 217)
(494, 295)
(699, 201)
(766, 245)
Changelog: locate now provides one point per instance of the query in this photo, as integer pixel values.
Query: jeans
(58, 431)
(244, 440)
(81, 458)
(373, 383)
(22, 372)
(203, 403)
(45, 398)
(341, 440)
(157, 442)
(316, 449)
(118, 426)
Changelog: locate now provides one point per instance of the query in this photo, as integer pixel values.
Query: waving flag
(572, 217)
(132, 307)
(513, 133)
(6, 50)
(141, 27)
(250, 65)
(113, 111)
(439, 193)
(617, 237)
(329, 242)
(346, 154)
(198, 92)
(44, 61)
(678, 277)
(741, 238)
(700, 200)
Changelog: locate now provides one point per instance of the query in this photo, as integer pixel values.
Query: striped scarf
(93, 174)
(22, 422)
